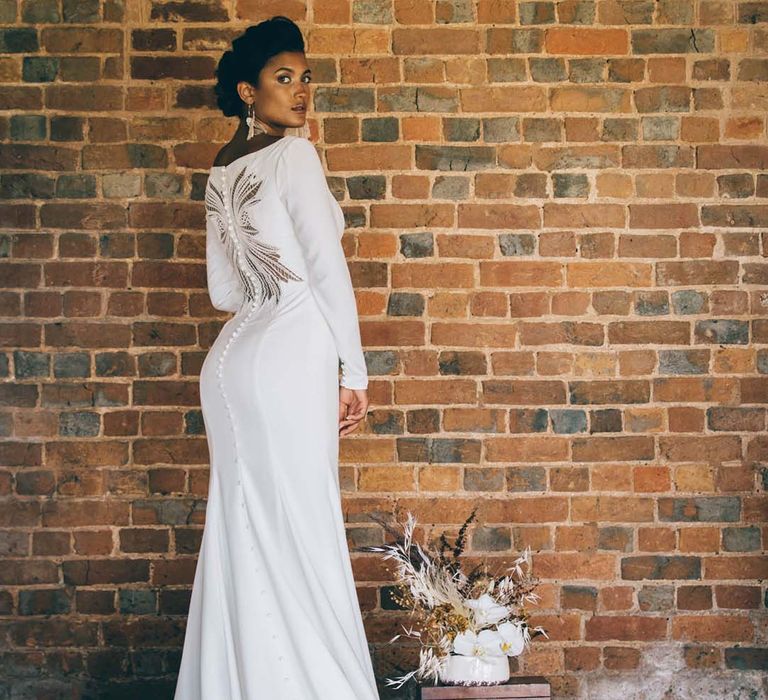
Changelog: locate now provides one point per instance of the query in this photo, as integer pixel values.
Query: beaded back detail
(257, 263)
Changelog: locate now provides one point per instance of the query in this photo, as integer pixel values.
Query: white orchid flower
(484, 643)
(487, 610)
(512, 638)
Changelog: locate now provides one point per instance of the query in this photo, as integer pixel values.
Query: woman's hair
(249, 54)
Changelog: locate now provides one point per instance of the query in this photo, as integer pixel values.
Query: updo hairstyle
(249, 54)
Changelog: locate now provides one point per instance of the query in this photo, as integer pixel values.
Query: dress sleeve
(225, 288)
(304, 190)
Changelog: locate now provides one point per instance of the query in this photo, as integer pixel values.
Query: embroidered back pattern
(257, 263)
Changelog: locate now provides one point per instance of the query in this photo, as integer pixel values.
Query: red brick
(712, 628)
(586, 41)
(625, 628)
(657, 216)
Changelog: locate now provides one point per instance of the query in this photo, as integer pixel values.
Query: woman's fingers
(353, 407)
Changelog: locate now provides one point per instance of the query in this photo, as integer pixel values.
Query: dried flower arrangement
(473, 614)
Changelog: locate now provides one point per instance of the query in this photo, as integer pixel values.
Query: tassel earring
(254, 125)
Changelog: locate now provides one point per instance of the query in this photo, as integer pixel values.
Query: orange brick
(586, 41)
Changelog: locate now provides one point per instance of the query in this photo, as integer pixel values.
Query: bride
(274, 613)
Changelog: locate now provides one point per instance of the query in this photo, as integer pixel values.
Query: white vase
(474, 670)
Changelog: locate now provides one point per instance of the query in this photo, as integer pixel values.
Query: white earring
(251, 120)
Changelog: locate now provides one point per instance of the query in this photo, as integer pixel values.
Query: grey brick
(115, 364)
(137, 601)
(688, 301)
(66, 128)
(456, 363)
(568, 421)
(547, 70)
(44, 601)
(164, 185)
(81, 11)
(121, 185)
(652, 303)
(536, 12)
(76, 186)
(405, 304)
(587, 70)
(381, 362)
(454, 450)
(491, 539)
(37, 12)
(647, 41)
(26, 186)
(679, 362)
(722, 331)
(18, 40)
(615, 538)
(501, 129)
(194, 423)
(517, 244)
(660, 128)
(570, 185)
(483, 479)
(582, 12)
(461, 128)
(506, 70)
(526, 479)
(28, 127)
(40, 69)
(372, 11)
(741, 539)
(79, 424)
(656, 567)
(700, 509)
(656, 598)
(28, 364)
(619, 129)
(71, 364)
(386, 422)
(380, 129)
(454, 157)
(367, 187)
(416, 245)
(450, 187)
(157, 364)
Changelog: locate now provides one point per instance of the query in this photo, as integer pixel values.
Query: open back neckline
(253, 153)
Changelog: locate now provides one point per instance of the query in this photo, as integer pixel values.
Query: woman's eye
(305, 78)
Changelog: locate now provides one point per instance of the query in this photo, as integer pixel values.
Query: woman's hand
(353, 406)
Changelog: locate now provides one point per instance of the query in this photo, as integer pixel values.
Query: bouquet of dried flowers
(472, 614)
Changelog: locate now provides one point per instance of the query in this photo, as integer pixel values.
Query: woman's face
(283, 86)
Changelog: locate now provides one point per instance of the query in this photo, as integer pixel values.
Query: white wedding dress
(274, 613)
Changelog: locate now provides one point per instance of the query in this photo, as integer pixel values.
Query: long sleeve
(304, 190)
(224, 285)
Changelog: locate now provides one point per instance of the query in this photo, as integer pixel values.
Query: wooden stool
(521, 688)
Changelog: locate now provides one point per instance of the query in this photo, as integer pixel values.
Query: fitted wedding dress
(274, 613)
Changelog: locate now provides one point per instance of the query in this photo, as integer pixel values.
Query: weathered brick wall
(557, 227)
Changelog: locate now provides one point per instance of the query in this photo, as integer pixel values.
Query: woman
(274, 613)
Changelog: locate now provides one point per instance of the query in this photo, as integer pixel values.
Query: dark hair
(249, 54)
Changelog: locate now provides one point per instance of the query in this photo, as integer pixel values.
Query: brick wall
(557, 228)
